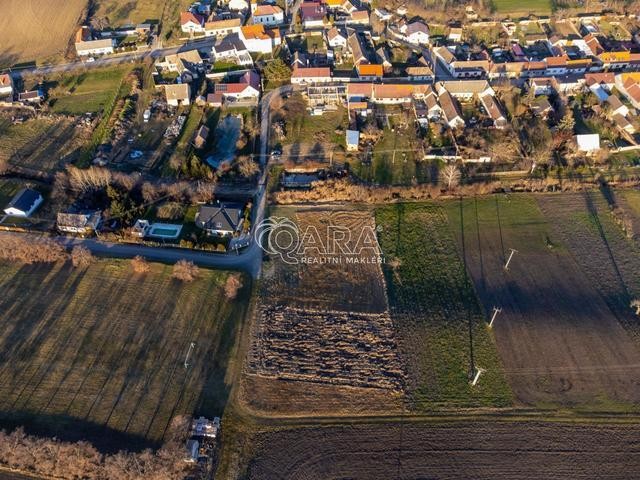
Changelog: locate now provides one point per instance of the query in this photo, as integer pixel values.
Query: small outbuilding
(353, 140)
(24, 203)
(588, 142)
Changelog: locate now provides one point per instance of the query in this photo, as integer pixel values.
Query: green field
(516, 7)
(99, 353)
(432, 303)
(88, 92)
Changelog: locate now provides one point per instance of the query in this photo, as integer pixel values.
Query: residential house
(85, 45)
(182, 62)
(336, 38)
(246, 89)
(24, 203)
(569, 84)
(382, 57)
(623, 123)
(357, 49)
(231, 49)
(493, 108)
(450, 110)
(556, 65)
(629, 87)
(455, 34)
(177, 94)
(615, 61)
(420, 74)
(200, 139)
(222, 28)
(223, 219)
(6, 85)
(352, 140)
(382, 14)
(310, 75)
(541, 86)
(358, 17)
(259, 40)
(191, 22)
(82, 223)
(466, 90)
(268, 15)
(605, 80)
(541, 107)
(370, 72)
(31, 96)
(416, 32)
(616, 107)
(312, 14)
(434, 110)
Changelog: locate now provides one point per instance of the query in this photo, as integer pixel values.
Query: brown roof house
(177, 94)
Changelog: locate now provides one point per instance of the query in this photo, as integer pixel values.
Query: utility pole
(496, 311)
(186, 358)
(506, 265)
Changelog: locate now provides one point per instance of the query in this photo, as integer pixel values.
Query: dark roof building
(23, 203)
(221, 219)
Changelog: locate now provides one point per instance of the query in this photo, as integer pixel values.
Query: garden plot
(327, 347)
(558, 339)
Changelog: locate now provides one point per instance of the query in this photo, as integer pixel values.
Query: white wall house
(24, 203)
(95, 47)
(268, 15)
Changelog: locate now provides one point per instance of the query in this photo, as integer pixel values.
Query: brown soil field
(473, 450)
(37, 29)
(326, 286)
(327, 347)
(322, 339)
(610, 261)
(559, 341)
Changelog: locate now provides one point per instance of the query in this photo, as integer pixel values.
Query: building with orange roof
(305, 76)
(370, 71)
(191, 22)
(615, 61)
(258, 39)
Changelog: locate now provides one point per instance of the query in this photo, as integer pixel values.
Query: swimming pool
(165, 231)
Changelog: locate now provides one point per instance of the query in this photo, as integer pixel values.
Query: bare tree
(28, 249)
(81, 257)
(140, 264)
(185, 271)
(232, 286)
(247, 167)
(451, 176)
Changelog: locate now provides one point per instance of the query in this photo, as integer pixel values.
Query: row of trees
(70, 461)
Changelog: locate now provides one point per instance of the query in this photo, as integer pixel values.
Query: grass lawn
(100, 353)
(517, 7)
(305, 128)
(88, 92)
(432, 302)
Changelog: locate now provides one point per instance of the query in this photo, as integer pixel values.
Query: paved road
(115, 59)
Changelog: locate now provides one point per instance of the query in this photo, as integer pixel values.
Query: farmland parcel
(99, 354)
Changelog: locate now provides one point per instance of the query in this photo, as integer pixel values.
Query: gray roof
(225, 216)
(24, 199)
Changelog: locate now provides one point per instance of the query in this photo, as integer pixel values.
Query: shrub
(140, 264)
(81, 257)
(27, 249)
(185, 271)
(232, 286)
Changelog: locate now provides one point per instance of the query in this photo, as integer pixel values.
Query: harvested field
(42, 144)
(477, 450)
(99, 354)
(336, 285)
(37, 29)
(322, 340)
(327, 347)
(558, 339)
(432, 304)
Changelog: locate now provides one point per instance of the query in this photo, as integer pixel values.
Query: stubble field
(37, 29)
(99, 354)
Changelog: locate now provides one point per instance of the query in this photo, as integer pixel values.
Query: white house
(268, 15)
(95, 47)
(310, 75)
(336, 38)
(416, 32)
(6, 84)
(238, 5)
(232, 49)
(246, 89)
(222, 28)
(257, 39)
(191, 22)
(177, 94)
(24, 203)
